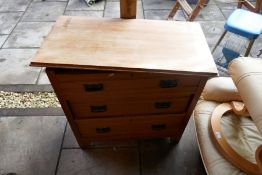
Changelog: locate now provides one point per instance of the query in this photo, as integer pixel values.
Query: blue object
(229, 56)
(244, 23)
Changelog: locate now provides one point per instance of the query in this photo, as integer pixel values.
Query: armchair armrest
(221, 89)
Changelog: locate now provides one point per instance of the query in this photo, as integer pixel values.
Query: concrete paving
(107, 161)
(46, 145)
(160, 158)
(30, 145)
(28, 35)
(44, 11)
(24, 24)
(8, 21)
(14, 66)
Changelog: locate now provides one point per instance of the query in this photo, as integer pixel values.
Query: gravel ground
(28, 100)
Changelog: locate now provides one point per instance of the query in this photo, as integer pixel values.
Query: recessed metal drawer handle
(158, 127)
(98, 108)
(162, 105)
(168, 83)
(103, 130)
(94, 87)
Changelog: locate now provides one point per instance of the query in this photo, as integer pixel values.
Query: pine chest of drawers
(118, 79)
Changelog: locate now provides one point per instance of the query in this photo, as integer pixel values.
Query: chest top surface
(126, 45)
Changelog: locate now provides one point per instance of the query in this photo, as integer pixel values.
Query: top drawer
(73, 75)
(97, 81)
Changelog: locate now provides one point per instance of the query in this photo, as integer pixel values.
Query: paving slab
(13, 5)
(158, 4)
(112, 10)
(8, 21)
(226, 4)
(81, 5)
(226, 12)
(7, 112)
(43, 79)
(44, 11)
(30, 145)
(212, 30)
(122, 161)
(50, 0)
(161, 157)
(214, 27)
(15, 67)
(96, 14)
(212, 2)
(210, 13)
(26, 88)
(70, 142)
(163, 14)
(28, 34)
(257, 48)
(2, 39)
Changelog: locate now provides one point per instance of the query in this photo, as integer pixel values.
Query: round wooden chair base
(220, 141)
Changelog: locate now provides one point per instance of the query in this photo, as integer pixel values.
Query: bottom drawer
(139, 126)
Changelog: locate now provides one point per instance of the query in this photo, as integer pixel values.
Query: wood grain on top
(118, 44)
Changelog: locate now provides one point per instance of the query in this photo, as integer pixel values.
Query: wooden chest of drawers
(134, 96)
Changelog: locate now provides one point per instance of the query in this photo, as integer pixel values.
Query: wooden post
(128, 9)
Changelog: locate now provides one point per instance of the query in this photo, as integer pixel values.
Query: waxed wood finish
(190, 13)
(142, 99)
(250, 5)
(135, 45)
(118, 79)
(128, 9)
(139, 126)
(259, 158)
(51, 75)
(221, 143)
(122, 96)
(108, 108)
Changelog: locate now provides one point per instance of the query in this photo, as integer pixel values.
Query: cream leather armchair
(242, 133)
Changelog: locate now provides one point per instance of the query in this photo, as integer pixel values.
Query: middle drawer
(118, 108)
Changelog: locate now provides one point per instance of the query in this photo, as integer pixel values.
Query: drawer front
(107, 109)
(123, 96)
(139, 126)
(96, 86)
(69, 75)
(128, 90)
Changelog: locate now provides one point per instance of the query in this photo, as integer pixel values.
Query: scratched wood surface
(118, 44)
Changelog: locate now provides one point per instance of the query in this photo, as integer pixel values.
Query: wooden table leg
(128, 9)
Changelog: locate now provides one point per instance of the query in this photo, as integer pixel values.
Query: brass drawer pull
(103, 130)
(162, 105)
(158, 127)
(94, 87)
(168, 83)
(98, 108)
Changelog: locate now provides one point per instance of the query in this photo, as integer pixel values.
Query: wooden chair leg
(258, 6)
(249, 47)
(239, 4)
(219, 41)
(173, 12)
(128, 9)
(254, 8)
(195, 12)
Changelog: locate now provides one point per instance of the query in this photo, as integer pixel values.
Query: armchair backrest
(247, 76)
